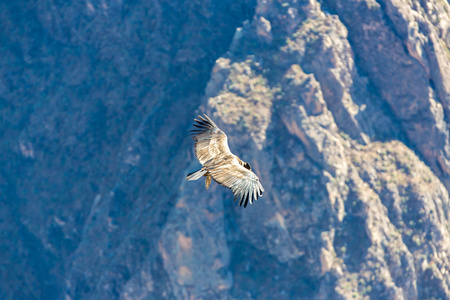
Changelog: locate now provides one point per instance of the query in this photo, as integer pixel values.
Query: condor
(225, 168)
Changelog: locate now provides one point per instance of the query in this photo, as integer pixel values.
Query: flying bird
(225, 168)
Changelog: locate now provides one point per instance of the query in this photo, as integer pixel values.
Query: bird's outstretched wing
(243, 182)
(212, 151)
(210, 141)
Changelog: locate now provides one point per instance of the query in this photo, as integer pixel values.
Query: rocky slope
(341, 107)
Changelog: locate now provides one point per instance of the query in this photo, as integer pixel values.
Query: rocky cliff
(341, 107)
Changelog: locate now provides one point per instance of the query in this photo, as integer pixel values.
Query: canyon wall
(341, 108)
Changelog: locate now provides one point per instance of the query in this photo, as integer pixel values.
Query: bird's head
(247, 166)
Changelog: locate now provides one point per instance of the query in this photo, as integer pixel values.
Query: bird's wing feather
(210, 141)
(243, 182)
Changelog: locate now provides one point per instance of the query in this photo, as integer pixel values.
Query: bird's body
(212, 151)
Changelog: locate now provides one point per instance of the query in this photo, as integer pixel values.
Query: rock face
(341, 107)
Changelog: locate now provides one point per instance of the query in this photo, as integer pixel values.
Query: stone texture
(341, 108)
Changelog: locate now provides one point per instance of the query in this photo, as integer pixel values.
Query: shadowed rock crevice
(284, 281)
(351, 243)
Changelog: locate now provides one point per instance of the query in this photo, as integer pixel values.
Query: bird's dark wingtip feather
(241, 198)
(201, 125)
(208, 120)
(247, 199)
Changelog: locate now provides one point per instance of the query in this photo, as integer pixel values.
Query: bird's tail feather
(196, 175)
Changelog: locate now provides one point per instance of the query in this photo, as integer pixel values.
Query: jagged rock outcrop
(309, 103)
(341, 108)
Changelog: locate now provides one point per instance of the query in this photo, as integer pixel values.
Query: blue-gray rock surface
(341, 107)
